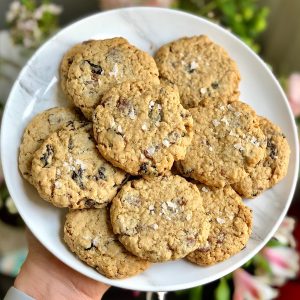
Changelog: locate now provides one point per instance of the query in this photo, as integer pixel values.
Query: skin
(43, 276)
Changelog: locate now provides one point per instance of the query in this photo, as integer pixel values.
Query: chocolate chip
(70, 144)
(77, 177)
(273, 149)
(143, 168)
(214, 85)
(89, 203)
(91, 247)
(46, 155)
(101, 174)
(95, 68)
(70, 60)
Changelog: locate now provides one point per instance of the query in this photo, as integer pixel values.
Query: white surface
(148, 28)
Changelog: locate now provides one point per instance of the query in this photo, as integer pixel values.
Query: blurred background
(270, 27)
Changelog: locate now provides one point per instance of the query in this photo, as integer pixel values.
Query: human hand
(43, 276)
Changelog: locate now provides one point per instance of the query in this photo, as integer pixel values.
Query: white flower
(284, 233)
(248, 287)
(13, 11)
(47, 8)
(11, 206)
(284, 263)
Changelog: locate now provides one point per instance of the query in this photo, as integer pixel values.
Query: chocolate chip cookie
(227, 140)
(68, 170)
(159, 219)
(200, 68)
(231, 225)
(272, 168)
(89, 235)
(103, 64)
(38, 130)
(142, 128)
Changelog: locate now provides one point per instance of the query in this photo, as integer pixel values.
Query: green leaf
(261, 263)
(196, 293)
(222, 291)
(274, 243)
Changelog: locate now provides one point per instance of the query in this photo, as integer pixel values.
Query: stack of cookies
(154, 156)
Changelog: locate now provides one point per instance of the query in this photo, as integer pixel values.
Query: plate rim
(120, 283)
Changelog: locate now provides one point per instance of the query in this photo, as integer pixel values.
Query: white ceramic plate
(37, 89)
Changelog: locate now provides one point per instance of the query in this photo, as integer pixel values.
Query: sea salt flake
(189, 216)
(119, 129)
(114, 71)
(166, 143)
(154, 226)
(205, 189)
(222, 107)
(210, 148)
(216, 122)
(239, 147)
(224, 120)
(144, 127)
(193, 66)
(203, 91)
(151, 104)
(151, 207)
(132, 114)
(150, 151)
(57, 184)
(171, 204)
(230, 107)
(220, 220)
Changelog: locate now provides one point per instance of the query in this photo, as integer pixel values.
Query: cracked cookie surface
(200, 68)
(89, 235)
(231, 225)
(142, 128)
(38, 129)
(68, 170)
(272, 168)
(159, 219)
(227, 139)
(103, 64)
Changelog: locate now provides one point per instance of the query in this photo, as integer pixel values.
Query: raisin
(273, 149)
(77, 177)
(101, 174)
(46, 155)
(95, 68)
(214, 85)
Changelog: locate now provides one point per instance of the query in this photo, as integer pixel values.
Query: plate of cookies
(149, 149)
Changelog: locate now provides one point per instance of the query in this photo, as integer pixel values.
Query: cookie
(159, 219)
(89, 235)
(66, 63)
(142, 128)
(272, 168)
(231, 225)
(38, 130)
(200, 68)
(103, 64)
(227, 140)
(68, 170)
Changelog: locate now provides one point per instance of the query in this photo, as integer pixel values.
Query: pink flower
(110, 4)
(284, 264)
(249, 287)
(284, 234)
(294, 93)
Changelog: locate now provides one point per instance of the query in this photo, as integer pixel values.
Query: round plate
(37, 89)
